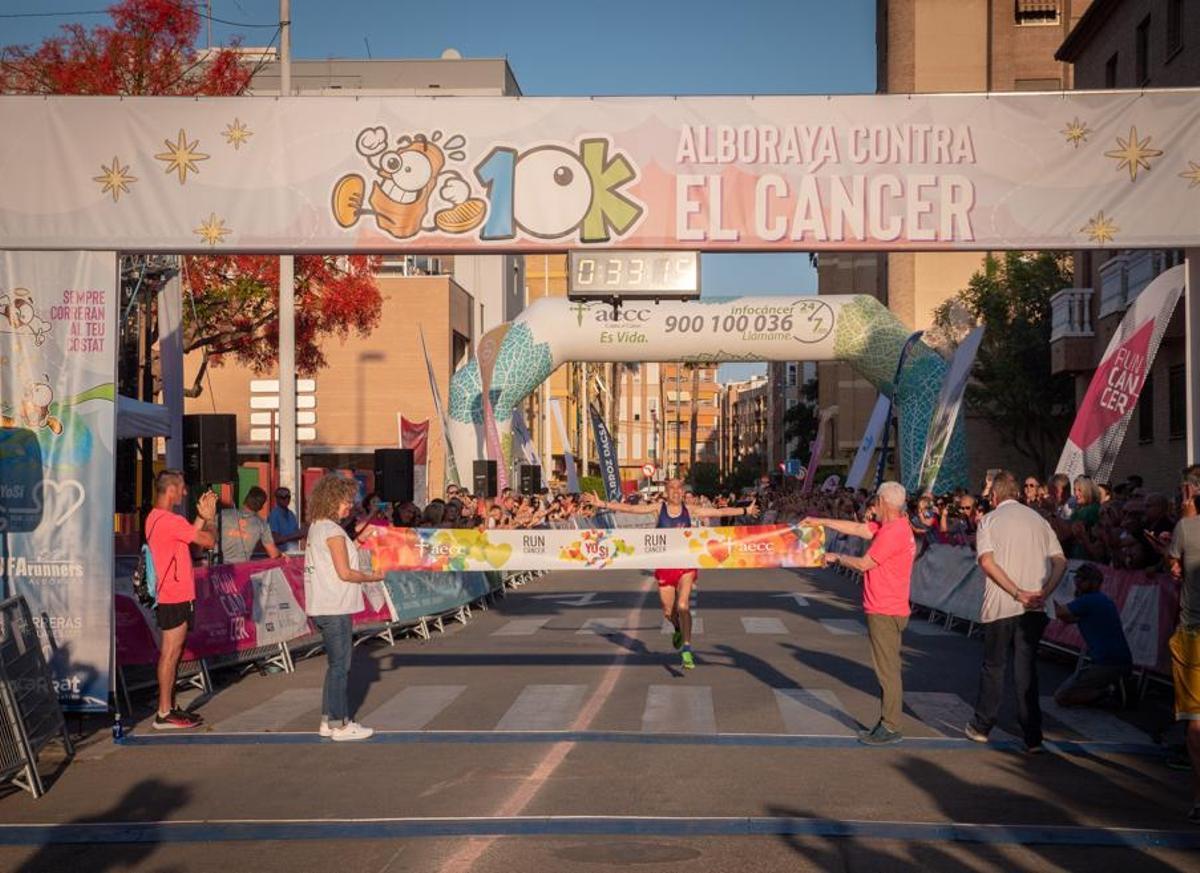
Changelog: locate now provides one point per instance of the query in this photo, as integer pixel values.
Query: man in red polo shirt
(887, 571)
(170, 537)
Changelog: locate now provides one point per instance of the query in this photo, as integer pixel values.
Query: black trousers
(1018, 635)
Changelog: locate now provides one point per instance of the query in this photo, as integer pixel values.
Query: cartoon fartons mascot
(412, 190)
(18, 316)
(33, 412)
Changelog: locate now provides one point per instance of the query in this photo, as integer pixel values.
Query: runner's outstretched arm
(714, 512)
(632, 508)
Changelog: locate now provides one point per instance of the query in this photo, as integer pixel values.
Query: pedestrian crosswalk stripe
(521, 627)
(413, 708)
(1094, 724)
(844, 626)
(602, 626)
(946, 713)
(544, 708)
(684, 709)
(755, 624)
(276, 712)
(813, 711)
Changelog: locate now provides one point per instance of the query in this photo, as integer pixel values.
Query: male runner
(675, 586)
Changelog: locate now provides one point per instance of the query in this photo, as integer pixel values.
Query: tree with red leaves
(150, 48)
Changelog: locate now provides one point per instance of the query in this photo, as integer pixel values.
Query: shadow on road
(150, 800)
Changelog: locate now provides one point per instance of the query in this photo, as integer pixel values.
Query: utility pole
(288, 461)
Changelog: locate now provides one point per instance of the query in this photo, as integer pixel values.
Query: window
(1177, 401)
(1142, 51)
(1110, 72)
(1174, 26)
(1036, 11)
(1146, 411)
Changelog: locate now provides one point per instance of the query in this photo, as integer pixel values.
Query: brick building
(1130, 44)
(938, 46)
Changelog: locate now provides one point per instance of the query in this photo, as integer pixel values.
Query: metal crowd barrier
(198, 673)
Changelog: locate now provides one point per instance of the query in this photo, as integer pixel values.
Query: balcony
(1123, 277)
(1140, 269)
(1071, 314)
(1113, 279)
(1071, 331)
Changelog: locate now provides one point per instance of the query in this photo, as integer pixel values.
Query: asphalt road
(556, 731)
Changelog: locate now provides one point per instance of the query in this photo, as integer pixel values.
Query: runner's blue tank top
(681, 520)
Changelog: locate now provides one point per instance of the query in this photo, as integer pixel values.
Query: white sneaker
(325, 730)
(349, 732)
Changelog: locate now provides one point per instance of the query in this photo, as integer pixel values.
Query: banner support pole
(1191, 296)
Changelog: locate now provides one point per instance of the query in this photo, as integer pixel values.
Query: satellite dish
(451, 54)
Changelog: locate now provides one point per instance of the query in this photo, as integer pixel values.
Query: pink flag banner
(1104, 414)
(818, 448)
(415, 435)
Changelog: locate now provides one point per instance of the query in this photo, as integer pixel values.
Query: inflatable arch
(856, 329)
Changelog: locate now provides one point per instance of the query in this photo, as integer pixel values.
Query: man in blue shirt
(1099, 622)
(285, 527)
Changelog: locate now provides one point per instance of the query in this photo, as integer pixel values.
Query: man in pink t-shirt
(170, 537)
(887, 571)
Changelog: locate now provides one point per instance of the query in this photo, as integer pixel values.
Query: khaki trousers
(884, 632)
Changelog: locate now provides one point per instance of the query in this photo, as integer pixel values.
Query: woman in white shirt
(333, 593)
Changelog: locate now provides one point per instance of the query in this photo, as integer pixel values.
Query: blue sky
(561, 47)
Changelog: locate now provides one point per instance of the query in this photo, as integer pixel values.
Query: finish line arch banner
(1067, 170)
(855, 328)
(701, 548)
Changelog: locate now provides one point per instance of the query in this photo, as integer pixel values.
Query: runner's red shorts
(671, 578)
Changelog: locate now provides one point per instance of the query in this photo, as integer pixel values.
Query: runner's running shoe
(677, 639)
(176, 720)
(689, 662)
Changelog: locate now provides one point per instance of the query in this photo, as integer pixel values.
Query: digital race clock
(605, 275)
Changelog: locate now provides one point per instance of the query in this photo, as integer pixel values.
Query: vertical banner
(606, 455)
(57, 429)
(521, 432)
(870, 440)
(572, 474)
(1108, 405)
(945, 416)
(485, 354)
(818, 449)
(415, 435)
(451, 470)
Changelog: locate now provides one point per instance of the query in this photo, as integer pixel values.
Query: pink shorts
(671, 578)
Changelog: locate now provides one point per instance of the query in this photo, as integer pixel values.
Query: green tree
(746, 472)
(1012, 388)
(800, 422)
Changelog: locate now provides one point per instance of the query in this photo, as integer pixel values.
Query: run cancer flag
(1106, 409)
